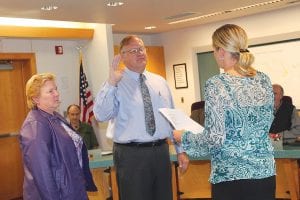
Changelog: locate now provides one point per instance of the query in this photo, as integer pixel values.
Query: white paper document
(180, 121)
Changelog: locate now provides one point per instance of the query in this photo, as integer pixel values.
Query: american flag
(86, 99)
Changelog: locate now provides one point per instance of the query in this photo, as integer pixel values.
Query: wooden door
(13, 111)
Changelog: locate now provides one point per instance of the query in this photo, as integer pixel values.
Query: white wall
(66, 67)
(149, 40)
(271, 26)
(181, 46)
(97, 54)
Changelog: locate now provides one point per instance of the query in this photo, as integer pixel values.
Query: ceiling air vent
(181, 15)
(266, 3)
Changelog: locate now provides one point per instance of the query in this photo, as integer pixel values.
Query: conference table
(287, 179)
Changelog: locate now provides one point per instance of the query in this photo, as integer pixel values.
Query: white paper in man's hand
(180, 121)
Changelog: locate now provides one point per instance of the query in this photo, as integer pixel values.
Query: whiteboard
(281, 62)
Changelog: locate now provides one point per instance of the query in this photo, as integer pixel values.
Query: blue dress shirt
(123, 106)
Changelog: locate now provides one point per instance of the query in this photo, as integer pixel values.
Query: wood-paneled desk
(287, 174)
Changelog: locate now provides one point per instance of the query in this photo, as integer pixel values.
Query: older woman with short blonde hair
(54, 156)
(34, 85)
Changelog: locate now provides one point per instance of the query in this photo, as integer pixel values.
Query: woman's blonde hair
(33, 87)
(233, 39)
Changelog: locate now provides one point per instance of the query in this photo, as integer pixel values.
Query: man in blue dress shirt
(141, 159)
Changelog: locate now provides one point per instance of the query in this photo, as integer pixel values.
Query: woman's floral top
(238, 116)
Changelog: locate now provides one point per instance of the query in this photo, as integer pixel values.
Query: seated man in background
(286, 123)
(85, 130)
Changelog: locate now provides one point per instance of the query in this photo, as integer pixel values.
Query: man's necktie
(149, 115)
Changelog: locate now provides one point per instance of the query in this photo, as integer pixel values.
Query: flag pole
(85, 95)
(79, 48)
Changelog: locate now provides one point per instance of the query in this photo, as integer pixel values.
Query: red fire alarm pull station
(59, 50)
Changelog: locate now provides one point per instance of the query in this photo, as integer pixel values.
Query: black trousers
(248, 189)
(143, 173)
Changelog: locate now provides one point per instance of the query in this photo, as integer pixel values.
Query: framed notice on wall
(180, 76)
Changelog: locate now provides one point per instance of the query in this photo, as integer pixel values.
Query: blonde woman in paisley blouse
(238, 115)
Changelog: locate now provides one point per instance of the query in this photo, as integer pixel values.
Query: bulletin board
(279, 60)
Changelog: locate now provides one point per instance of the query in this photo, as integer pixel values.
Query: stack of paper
(180, 121)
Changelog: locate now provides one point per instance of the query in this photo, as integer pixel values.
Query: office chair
(197, 105)
(287, 99)
(197, 112)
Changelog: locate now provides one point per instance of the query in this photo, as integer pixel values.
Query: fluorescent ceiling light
(114, 3)
(49, 8)
(150, 27)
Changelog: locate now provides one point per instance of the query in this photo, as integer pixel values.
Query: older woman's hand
(177, 135)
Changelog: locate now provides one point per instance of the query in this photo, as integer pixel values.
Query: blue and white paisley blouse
(238, 115)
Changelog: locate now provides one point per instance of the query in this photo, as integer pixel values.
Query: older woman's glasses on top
(135, 51)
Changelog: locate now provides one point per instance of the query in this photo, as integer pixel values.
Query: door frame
(28, 57)
(12, 164)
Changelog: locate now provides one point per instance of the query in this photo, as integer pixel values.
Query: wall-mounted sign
(180, 76)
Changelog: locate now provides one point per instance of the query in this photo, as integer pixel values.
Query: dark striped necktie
(149, 115)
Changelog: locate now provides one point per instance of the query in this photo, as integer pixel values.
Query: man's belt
(143, 144)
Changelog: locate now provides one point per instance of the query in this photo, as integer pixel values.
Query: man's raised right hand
(115, 74)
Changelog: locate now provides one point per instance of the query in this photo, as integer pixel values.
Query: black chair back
(197, 105)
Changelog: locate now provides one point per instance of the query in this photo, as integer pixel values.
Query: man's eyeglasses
(135, 51)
